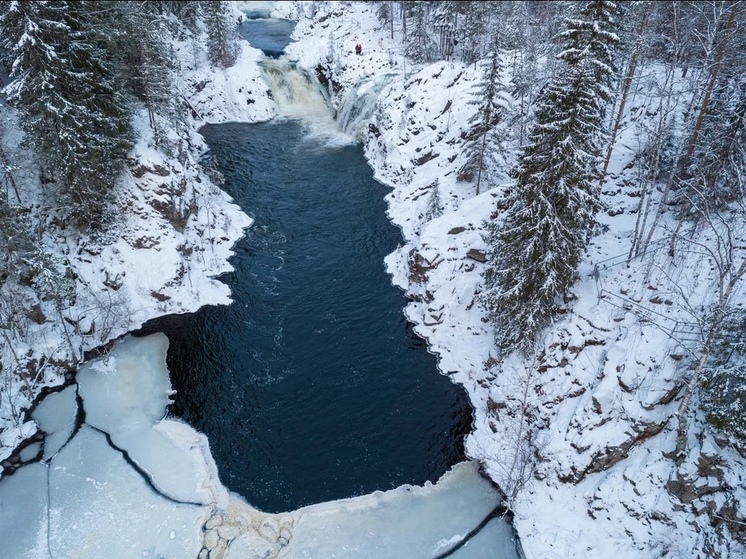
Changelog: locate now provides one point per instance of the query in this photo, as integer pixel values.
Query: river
(312, 385)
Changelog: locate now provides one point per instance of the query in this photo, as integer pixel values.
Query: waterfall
(358, 105)
(299, 96)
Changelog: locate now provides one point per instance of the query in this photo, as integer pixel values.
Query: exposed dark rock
(35, 314)
(667, 398)
(448, 106)
(456, 230)
(596, 405)
(430, 155)
(160, 171)
(139, 171)
(159, 296)
(606, 458)
(476, 254)
(623, 385)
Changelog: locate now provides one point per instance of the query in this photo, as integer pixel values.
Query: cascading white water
(358, 105)
(296, 93)
(300, 97)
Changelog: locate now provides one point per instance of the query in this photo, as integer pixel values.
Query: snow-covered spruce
(579, 432)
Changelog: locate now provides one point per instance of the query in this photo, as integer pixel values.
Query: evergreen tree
(420, 45)
(143, 58)
(552, 210)
(445, 21)
(71, 110)
(486, 134)
(434, 203)
(16, 244)
(723, 390)
(718, 163)
(476, 19)
(221, 34)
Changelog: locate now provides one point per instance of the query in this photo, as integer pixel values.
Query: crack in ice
(498, 511)
(48, 509)
(144, 473)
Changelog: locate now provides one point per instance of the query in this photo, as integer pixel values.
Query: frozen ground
(172, 236)
(110, 476)
(598, 398)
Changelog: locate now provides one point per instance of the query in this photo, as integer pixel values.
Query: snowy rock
(270, 530)
(228, 531)
(476, 254)
(250, 545)
(211, 539)
(214, 521)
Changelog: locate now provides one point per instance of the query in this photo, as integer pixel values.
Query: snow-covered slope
(577, 433)
(172, 236)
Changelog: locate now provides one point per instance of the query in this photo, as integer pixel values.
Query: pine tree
(552, 210)
(420, 45)
(71, 110)
(718, 162)
(486, 133)
(723, 390)
(445, 21)
(434, 203)
(143, 57)
(474, 26)
(221, 34)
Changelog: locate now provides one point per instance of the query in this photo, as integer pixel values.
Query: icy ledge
(114, 478)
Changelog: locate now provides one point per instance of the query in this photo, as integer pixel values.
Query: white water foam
(299, 96)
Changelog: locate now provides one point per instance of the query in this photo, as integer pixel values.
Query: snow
(119, 464)
(407, 522)
(127, 399)
(598, 389)
(55, 416)
(88, 482)
(175, 235)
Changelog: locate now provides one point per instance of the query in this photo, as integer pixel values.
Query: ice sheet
(102, 508)
(414, 522)
(23, 519)
(125, 395)
(125, 487)
(55, 415)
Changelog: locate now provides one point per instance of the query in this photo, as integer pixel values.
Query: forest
(77, 74)
(573, 67)
(560, 82)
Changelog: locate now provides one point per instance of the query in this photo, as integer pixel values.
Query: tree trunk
(714, 71)
(11, 180)
(717, 321)
(481, 159)
(625, 92)
(391, 17)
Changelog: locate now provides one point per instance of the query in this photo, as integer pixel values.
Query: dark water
(271, 36)
(311, 386)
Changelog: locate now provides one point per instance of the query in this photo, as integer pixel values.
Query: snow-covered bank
(577, 434)
(172, 236)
